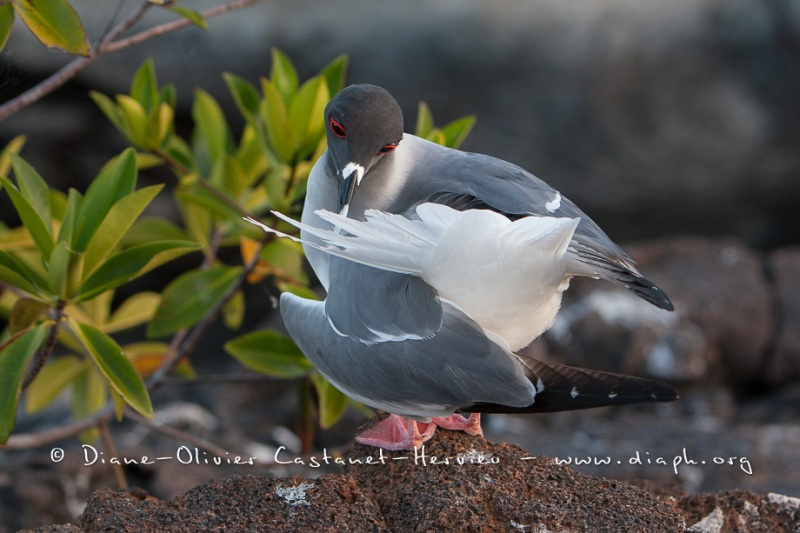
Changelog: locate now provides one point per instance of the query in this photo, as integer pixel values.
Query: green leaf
(13, 147)
(134, 120)
(70, 219)
(55, 24)
(424, 121)
(233, 311)
(250, 157)
(275, 185)
(6, 23)
(244, 94)
(332, 403)
(40, 231)
(457, 131)
(268, 352)
(285, 260)
(134, 311)
(228, 176)
(64, 271)
(119, 404)
(115, 366)
(32, 187)
(167, 95)
(119, 219)
(144, 88)
(14, 359)
(110, 110)
(115, 181)
(436, 136)
(189, 298)
(283, 75)
(335, 73)
(58, 203)
(299, 290)
(145, 160)
(159, 126)
(151, 228)
(51, 380)
(274, 113)
(25, 313)
(306, 114)
(16, 275)
(128, 264)
(210, 127)
(35, 270)
(179, 150)
(198, 219)
(97, 310)
(190, 14)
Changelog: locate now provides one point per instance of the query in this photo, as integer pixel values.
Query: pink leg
(396, 433)
(471, 425)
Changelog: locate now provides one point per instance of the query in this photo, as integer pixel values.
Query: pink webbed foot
(396, 433)
(470, 426)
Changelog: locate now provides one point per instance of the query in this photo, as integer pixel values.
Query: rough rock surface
(461, 483)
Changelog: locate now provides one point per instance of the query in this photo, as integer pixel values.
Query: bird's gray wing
(456, 367)
(375, 306)
(466, 180)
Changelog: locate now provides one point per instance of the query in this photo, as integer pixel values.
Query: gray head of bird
(364, 125)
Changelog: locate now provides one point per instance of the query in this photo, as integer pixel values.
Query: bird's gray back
(500, 185)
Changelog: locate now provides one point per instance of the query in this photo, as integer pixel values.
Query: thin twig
(178, 434)
(213, 248)
(170, 161)
(108, 442)
(175, 25)
(19, 293)
(43, 353)
(109, 45)
(22, 441)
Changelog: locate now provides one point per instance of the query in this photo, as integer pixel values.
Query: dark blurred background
(679, 118)
(662, 120)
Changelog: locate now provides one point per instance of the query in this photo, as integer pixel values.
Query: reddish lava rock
(247, 503)
(501, 487)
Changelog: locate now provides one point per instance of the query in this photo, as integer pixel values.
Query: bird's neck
(381, 187)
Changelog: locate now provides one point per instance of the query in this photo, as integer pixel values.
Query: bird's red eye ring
(388, 148)
(337, 128)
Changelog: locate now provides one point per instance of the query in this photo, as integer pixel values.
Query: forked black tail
(566, 388)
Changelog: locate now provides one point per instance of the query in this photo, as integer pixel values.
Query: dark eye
(337, 129)
(388, 148)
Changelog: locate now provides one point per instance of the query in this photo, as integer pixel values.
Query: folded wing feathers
(568, 388)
